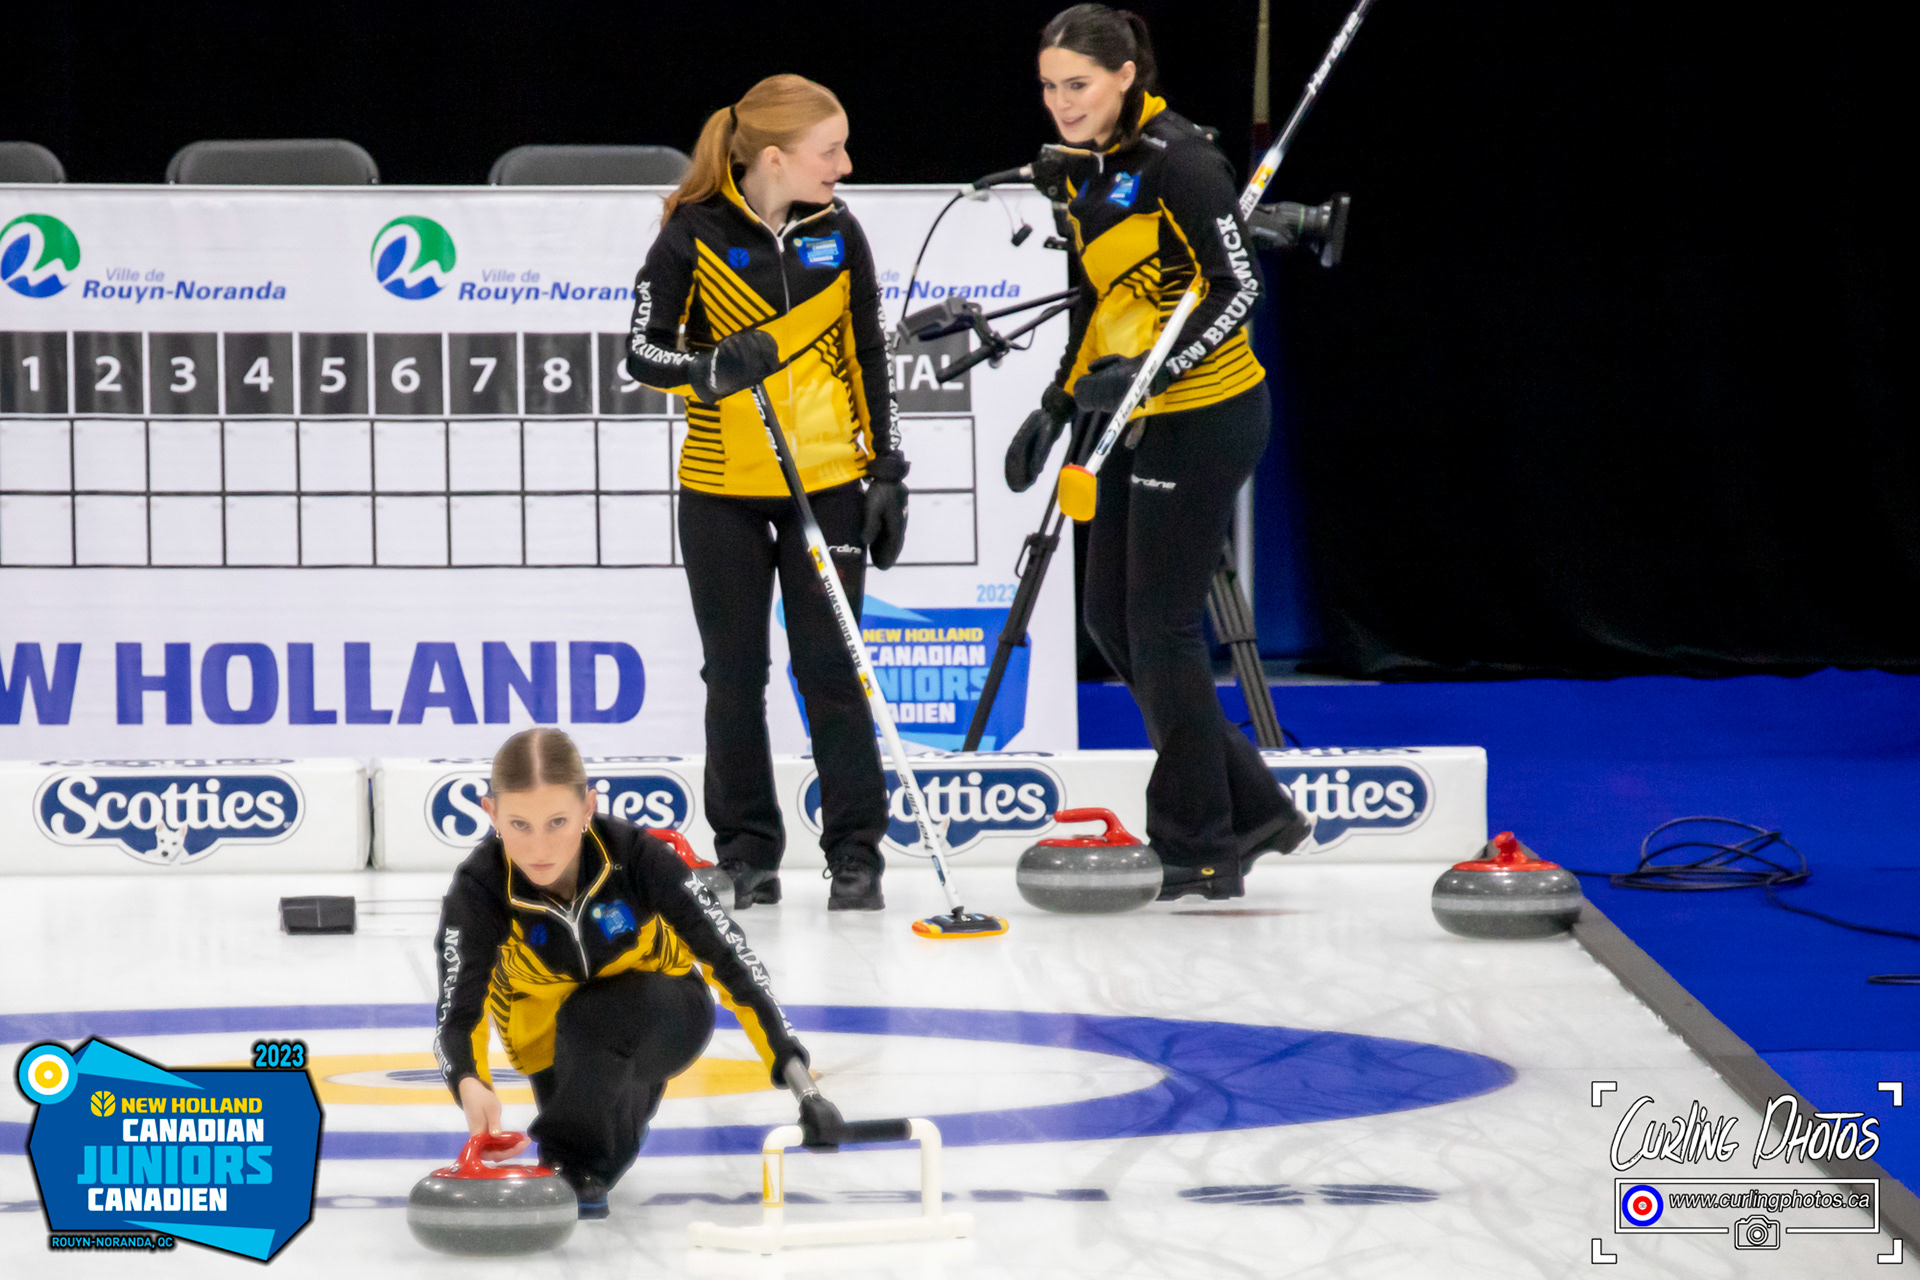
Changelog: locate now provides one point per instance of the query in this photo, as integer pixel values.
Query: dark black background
(1608, 383)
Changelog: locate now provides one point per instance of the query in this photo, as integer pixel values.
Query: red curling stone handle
(1114, 834)
(681, 845)
(472, 1164)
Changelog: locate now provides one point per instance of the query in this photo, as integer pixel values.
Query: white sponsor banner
(119, 817)
(1410, 804)
(358, 472)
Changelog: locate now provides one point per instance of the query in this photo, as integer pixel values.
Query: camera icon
(1757, 1232)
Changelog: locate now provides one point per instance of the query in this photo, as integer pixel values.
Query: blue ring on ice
(1218, 1076)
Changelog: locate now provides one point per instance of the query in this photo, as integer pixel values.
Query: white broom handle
(1256, 187)
(856, 646)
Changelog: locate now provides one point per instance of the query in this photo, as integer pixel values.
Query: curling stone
(718, 882)
(1506, 892)
(1089, 875)
(477, 1208)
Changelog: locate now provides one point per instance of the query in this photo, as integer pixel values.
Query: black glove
(885, 527)
(741, 360)
(1027, 455)
(1104, 385)
(820, 1123)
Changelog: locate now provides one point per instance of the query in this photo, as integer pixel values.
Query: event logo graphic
(932, 668)
(646, 798)
(412, 256)
(169, 820)
(1342, 794)
(967, 802)
(223, 1157)
(38, 252)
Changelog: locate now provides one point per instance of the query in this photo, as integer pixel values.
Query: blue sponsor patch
(537, 936)
(825, 251)
(613, 918)
(736, 258)
(1125, 186)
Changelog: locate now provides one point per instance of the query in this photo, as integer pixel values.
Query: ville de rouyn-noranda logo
(412, 256)
(38, 254)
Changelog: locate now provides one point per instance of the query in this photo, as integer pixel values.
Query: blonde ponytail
(777, 112)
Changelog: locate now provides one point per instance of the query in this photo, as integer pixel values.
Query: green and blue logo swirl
(38, 253)
(411, 257)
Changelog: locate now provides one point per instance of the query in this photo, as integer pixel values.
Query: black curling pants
(733, 547)
(1163, 513)
(617, 1041)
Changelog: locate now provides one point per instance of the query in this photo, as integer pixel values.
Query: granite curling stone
(1507, 892)
(472, 1207)
(1089, 875)
(718, 882)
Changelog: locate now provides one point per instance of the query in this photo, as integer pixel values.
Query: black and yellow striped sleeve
(730, 965)
(473, 924)
(661, 293)
(1202, 211)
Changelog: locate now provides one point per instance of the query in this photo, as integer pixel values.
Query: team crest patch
(822, 251)
(1125, 185)
(736, 258)
(613, 918)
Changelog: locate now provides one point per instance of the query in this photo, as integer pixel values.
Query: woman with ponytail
(1152, 203)
(761, 277)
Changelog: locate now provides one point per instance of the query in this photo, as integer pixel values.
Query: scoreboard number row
(160, 375)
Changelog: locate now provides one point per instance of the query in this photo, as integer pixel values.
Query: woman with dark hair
(1152, 205)
(760, 277)
(586, 940)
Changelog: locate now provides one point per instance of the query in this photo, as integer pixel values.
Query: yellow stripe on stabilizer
(1079, 492)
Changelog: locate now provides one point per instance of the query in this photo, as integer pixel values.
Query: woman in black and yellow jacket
(583, 941)
(760, 276)
(1152, 205)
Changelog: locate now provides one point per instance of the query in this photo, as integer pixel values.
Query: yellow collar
(1151, 105)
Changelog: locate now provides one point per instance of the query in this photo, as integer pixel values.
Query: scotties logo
(412, 256)
(1345, 793)
(166, 820)
(646, 799)
(966, 803)
(38, 253)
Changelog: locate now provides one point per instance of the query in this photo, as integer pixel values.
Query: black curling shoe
(1213, 882)
(589, 1191)
(856, 887)
(592, 1194)
(1280, 835)
(752, 885)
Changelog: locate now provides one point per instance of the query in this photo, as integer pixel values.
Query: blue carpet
(1582, 770)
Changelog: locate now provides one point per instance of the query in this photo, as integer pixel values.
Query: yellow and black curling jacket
(1162, 208)
(716, 269)
(510, 953)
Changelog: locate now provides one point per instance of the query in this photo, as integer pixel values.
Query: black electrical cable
(1720, 869)
(906, 299)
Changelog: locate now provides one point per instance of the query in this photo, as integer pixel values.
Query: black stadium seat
(29, 162)
(278, 162)
(589, 167)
